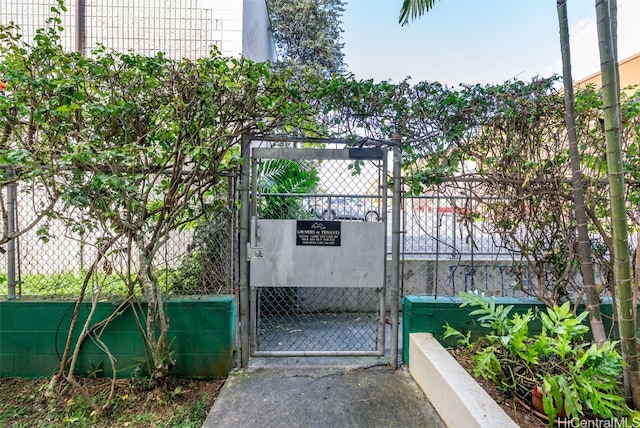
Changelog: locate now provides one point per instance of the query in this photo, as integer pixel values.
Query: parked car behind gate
(345, 208)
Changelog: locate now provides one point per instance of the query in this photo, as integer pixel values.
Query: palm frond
(414, 9)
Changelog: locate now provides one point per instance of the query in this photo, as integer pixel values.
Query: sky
(477, 41)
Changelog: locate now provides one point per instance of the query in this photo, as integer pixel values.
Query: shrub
(576, 376)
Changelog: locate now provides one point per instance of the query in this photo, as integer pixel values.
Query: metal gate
(316, 248)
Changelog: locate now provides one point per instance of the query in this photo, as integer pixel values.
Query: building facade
(179, 28)
(629, 69)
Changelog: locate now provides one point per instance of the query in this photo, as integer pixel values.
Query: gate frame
(248, 173)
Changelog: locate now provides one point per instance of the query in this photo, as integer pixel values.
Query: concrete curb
(456, 396)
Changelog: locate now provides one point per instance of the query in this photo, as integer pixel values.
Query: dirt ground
(520, 413)
(136, 403)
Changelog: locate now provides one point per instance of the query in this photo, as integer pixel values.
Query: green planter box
(428, 314)
(33, 334)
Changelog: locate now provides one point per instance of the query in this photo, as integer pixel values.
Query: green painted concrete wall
(33, 335)
(428, 314)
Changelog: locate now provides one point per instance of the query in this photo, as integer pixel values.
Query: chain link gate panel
(317, 251)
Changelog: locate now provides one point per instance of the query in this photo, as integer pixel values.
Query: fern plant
(576, 376)
(281, 179)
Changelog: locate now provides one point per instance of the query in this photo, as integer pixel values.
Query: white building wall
(229, 12)
(256, 24)
(31, 15)
(180, 28)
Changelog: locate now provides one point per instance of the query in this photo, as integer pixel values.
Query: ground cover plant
(138, 403)
(576, 376)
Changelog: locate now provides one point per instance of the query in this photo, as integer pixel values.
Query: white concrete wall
(246, 28)
(257, 44)
(456, 396)
(448, 277)
(229, 12)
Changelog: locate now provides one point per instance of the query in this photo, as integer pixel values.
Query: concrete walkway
(288, 393)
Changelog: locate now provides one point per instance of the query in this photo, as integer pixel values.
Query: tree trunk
(622, 263)
(584, 243)
(157, 322)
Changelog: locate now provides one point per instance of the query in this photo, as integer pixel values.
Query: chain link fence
(441, 254)
(53, 255)
(446, 250)
(435, 225)
(317, 319)
(454, 243)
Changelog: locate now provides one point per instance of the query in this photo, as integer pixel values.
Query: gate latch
(253, 252)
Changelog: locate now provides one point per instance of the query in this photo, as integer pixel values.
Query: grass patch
(69, 284)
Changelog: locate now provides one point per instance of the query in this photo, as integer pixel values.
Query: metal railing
(438, 225)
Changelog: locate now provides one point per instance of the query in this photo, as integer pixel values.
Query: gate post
(245, 155)
(394, 290)
(11, 245)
